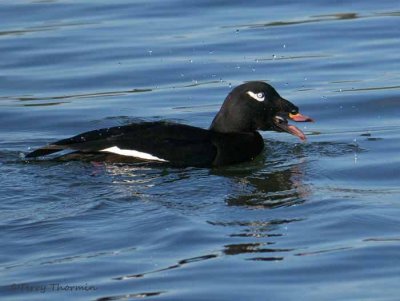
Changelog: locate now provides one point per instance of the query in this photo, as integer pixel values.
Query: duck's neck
(224, 123)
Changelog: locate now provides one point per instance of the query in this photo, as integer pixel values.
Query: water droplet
(284, 46)
(340, 90)
(305, 78)
(190, 61)
(150, 52)
(273, 56)
(237, 67)
(230, 85)
(253, 69)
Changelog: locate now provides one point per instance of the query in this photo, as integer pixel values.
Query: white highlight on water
(132, 153)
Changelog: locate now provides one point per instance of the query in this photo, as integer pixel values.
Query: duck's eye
(260, 96)
(294, 112)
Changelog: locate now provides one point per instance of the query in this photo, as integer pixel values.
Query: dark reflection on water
(130, 296)
(251, 248)
(271, 190)
(179, 264)
(44, 100)
(370, 89)
(277, 179)
(312, 19)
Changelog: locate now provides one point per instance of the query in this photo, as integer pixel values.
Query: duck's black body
(232, 137)
(178, 144)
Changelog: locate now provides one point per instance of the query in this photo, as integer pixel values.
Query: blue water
(305, 221)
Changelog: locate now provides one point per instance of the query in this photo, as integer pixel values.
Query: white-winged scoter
(232, 137)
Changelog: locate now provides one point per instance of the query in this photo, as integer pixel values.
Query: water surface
(309, 221)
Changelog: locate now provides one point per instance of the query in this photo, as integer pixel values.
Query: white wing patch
(257, 96)
(132, 153)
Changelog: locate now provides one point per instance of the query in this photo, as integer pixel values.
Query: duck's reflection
(278, 183)
(256, 188)
(272, 182)
(272, 189)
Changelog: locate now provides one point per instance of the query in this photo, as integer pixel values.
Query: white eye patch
(260, 96)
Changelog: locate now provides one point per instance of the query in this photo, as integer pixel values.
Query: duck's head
(257, 106)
